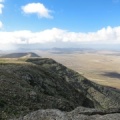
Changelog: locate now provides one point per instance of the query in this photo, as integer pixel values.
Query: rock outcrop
(79, 113)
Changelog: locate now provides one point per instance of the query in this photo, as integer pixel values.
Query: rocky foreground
(42, 89)
(79, 113)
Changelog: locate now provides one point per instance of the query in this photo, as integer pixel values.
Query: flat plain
(102, 67)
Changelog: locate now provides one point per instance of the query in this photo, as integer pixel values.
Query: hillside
(42, 83)
(100, 66)
(20, 55)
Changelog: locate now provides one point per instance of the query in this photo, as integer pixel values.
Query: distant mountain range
(62, 45)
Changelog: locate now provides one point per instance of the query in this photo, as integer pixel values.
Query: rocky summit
(42, 89)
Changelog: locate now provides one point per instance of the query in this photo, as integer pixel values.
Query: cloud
(1, 7)
(1, 25)
(1, 0)
(37, 8)
(55, 35)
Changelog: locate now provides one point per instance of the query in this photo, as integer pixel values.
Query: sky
(57, 21)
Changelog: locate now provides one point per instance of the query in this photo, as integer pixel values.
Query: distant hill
(20, 55)
(72, 50)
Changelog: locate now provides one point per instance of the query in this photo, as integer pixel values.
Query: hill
(42, 83)
(20, 55)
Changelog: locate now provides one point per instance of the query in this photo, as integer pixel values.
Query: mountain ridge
(42, 83)
(20, 55)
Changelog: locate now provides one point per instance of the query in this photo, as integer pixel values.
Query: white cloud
(1, 25)
(1, 7)
(37, 8)
(1, 0)
(55, 35)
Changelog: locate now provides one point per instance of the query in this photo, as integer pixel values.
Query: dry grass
(101, 67)
(13, 60)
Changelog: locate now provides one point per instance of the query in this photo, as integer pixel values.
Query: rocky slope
(100, 96)
(42, 83)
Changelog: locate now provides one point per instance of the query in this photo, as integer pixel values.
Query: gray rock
(79, 113)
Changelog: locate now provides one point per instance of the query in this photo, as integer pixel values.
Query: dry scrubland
(102, 67)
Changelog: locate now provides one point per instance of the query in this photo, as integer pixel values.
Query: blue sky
(77, 15)
(56, 20)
